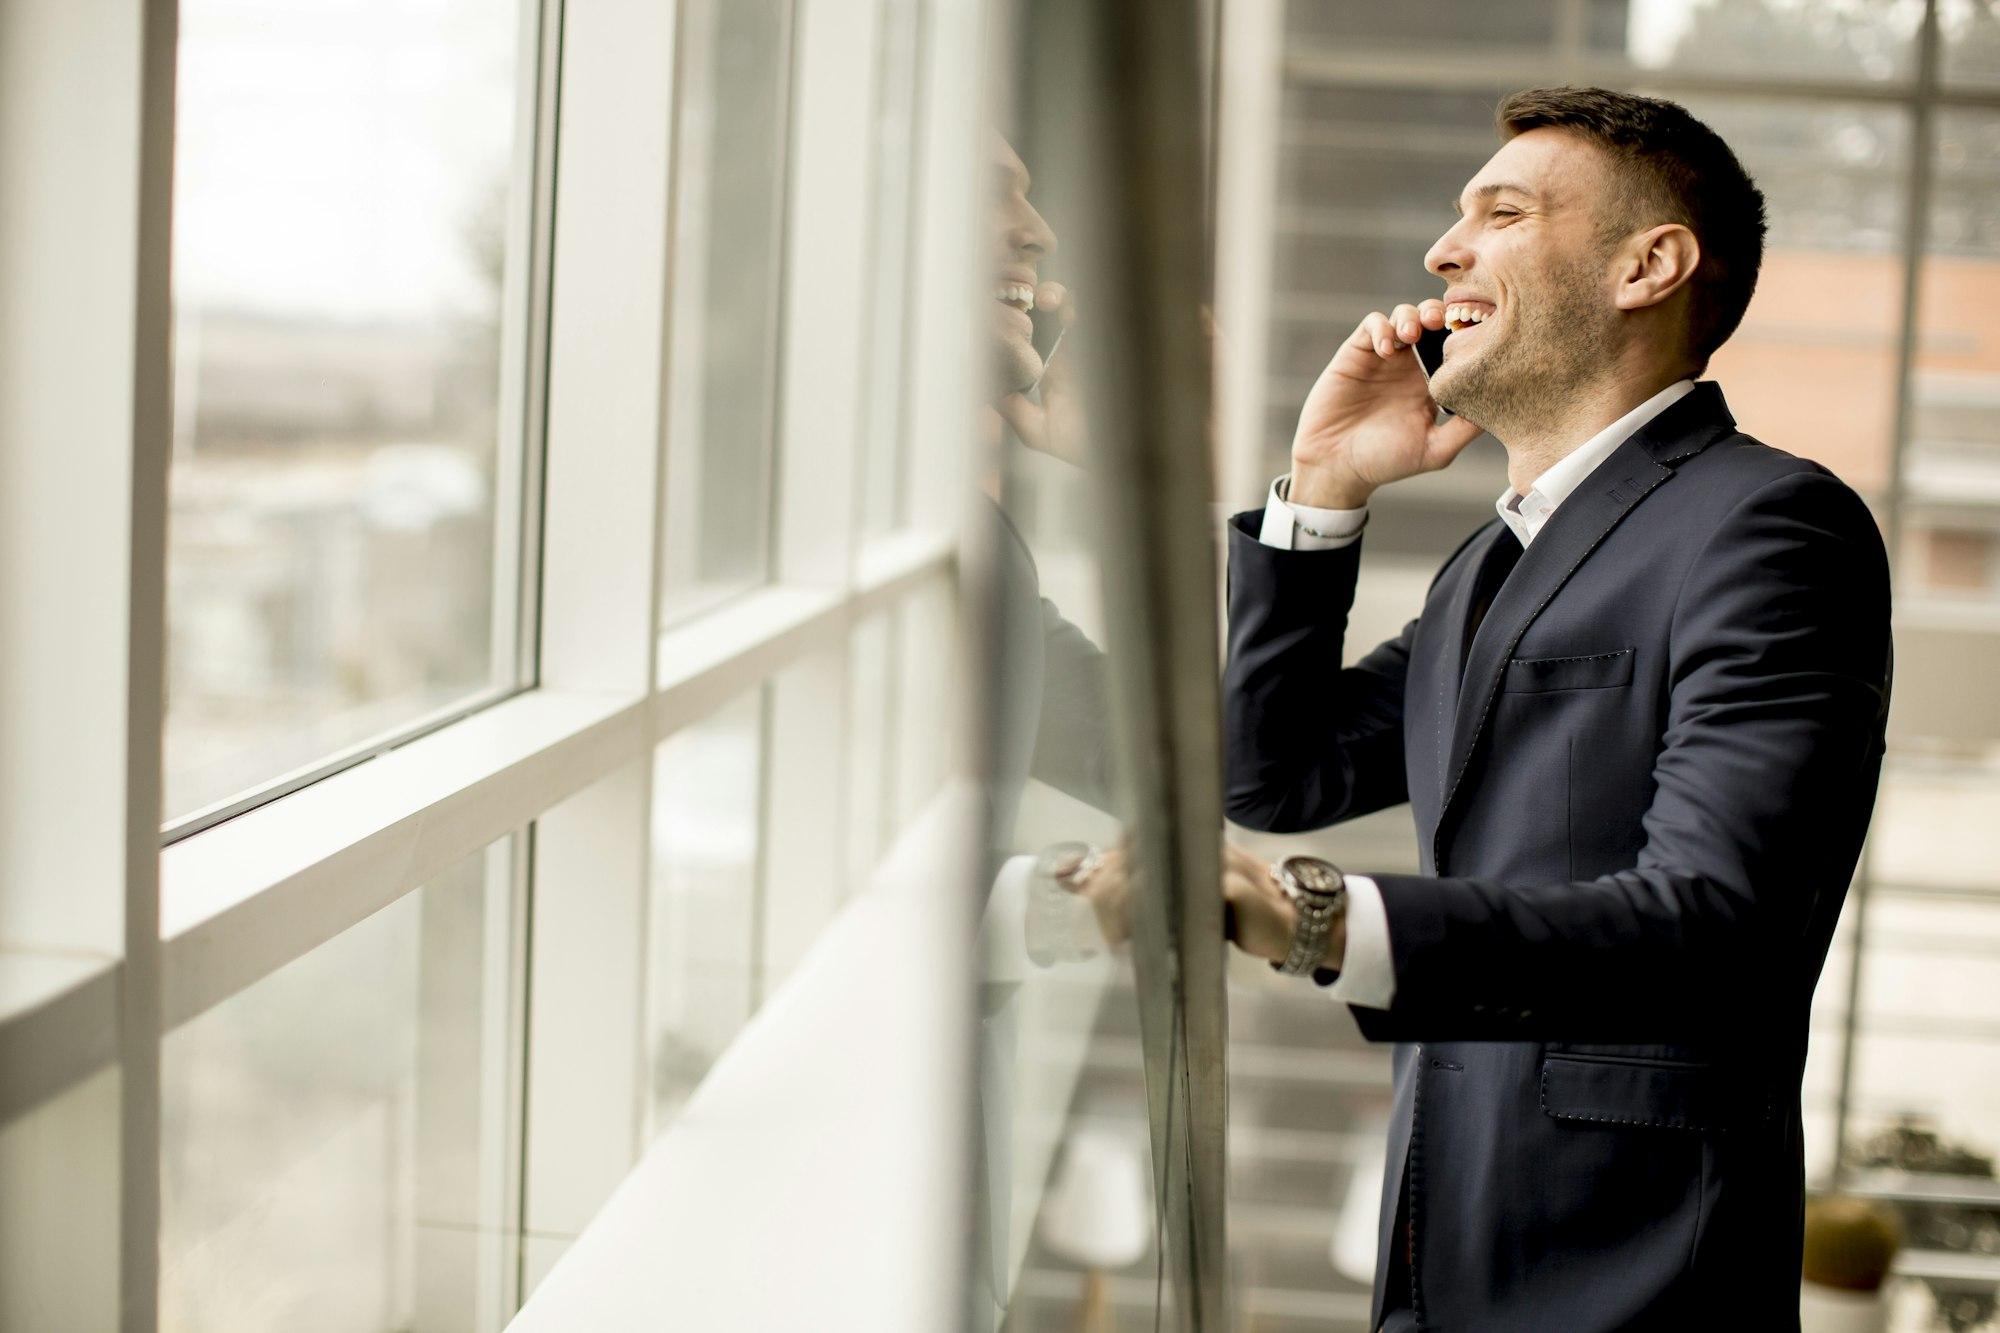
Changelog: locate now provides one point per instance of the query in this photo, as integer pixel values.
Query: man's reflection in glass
(1056, 902)
(1049, 678)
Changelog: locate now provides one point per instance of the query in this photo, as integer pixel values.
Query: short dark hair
(1679, 170)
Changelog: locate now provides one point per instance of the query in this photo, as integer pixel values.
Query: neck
(1534, 446)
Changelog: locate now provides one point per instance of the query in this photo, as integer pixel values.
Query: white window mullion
(585, 1094)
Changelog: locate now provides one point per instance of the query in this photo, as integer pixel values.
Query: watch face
(1312, 874)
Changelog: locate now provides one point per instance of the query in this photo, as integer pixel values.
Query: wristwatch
(1319, 892)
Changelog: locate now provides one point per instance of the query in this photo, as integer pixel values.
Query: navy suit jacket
(1639, 794)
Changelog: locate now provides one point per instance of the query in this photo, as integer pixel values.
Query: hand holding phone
(1370, 418)
(1049, 417)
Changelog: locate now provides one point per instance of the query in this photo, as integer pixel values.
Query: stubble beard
(1560, 340)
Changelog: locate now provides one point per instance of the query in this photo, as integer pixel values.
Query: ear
(1655, 264)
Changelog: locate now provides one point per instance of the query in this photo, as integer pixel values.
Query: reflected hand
(1370, 418)
(1104, 880)
(1054, 426)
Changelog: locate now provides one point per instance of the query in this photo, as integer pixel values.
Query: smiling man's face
(1528, 278)
(1020, 241)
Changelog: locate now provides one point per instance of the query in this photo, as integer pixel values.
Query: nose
(1030, 235)
(1448, 254)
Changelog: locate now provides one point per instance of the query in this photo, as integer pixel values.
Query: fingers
(1400, 328)
(1238, 860)
(1258, 924)
(1241, 891)
(1027, 419)
(1409, 327)
(1377, 332)
(1053, 298)
(1254, 888)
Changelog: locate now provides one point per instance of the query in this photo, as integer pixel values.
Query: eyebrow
(1488, 191)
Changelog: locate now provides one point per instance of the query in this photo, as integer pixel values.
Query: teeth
(1457, 316)
(1015, 293)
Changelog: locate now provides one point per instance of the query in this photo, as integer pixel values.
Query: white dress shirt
(1368, 974)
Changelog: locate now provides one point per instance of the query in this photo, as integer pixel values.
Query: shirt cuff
(1367, 972)
(1293, 527)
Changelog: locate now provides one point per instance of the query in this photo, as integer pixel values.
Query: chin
(1447, 383)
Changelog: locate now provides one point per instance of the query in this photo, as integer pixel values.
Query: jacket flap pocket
(1592, 671)
(1663, 1093)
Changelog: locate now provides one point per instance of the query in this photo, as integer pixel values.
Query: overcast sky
(332, 153)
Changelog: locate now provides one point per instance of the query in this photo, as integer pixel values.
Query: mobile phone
(1046, 337)
(1430, 355)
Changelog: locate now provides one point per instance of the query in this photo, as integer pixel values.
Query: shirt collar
(1524, 515)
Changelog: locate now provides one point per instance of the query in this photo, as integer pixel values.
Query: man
(1639, 723)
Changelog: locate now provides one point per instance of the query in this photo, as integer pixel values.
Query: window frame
(184, 918)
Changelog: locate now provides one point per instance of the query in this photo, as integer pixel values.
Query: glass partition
(1100, 1148)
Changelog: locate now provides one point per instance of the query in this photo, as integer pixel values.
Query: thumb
(1447, 439)
(1026, 418)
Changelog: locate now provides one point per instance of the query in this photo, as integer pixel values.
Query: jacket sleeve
(1778, 659)
(1310, 742)
(1073, 746)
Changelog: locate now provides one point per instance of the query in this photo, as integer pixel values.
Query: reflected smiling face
(1528, 279)
(1020, 241)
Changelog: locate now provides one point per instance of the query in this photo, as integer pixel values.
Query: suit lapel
(1495, 545)
(1630, 473)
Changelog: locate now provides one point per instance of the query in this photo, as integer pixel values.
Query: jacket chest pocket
(1661, 1093)
(1589, 671)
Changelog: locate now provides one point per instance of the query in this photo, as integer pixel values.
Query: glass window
(1951, 464)
(1848, 41)
(1924, 1089)
(1970, 31)
(1423, 27)
(339, 1141)
(341, 564)
(702, 970)
(728, 241)
(1827, 312)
